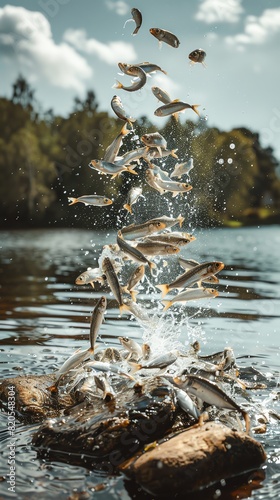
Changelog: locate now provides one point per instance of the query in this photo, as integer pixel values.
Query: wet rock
(33, 401)
(195, 459)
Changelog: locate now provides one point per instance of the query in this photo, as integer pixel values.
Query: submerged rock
(195, 459)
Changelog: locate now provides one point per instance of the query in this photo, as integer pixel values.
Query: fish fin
(175, 193)
(117, 85)
(247, 421)
(115, 175)
(159, 150)
(194, 107)
(165, 72)
(180, 220)
(72, 201)
(167, 304)
(124, 130)
(136, 30)
(134, 367)
(124, 289)
(52, 389)
(152, 265)
(92, 284)
(130, 169)
(164, 289)
(175, 116)
(122, 308)
(176, 100)
(173, 153)
(127, 207)
(133, 294)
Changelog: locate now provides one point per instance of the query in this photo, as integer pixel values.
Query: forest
(44, 159)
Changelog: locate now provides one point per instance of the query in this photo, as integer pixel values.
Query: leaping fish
(109, 271)
(197, 56)
(134, 71)
(175, 107)
(108, 168)
(117, 107)
(182, 168)
(191, 294)
(137, 18)
(151, 226)
(165, 36)
(133, 196)
(96, 320)
(90, 199)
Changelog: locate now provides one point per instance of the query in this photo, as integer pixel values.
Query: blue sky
(64, 47)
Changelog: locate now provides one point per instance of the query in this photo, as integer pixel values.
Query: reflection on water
(44, 316)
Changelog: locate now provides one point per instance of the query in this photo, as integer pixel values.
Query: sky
(66, 47)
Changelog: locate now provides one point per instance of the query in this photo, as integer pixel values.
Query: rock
(195, 459)
(33, 401)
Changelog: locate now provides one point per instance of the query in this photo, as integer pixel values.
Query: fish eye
(125, 339)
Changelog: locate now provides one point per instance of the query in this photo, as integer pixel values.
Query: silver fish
(113, 149)
(190, 263)
(165, 36)
(186, 403)
(117, 107)
(175, 107)
(90, 276)
(191, 294)
(211, 394)
(151, 226)
(182, 168)
(174, 238)
(136, 276)
(137, 17)
(154, 140)
(161, 95)
(172, 186)
(150, 178)
(90, 199)
(135, 71)
(109, 271)
(198, 56)
(161, 362)
(133, 196)
(107, 367)
(96, 320)
(132, 252)
(132, 346)
(146, 66)
(131, 156)
(110, 168)
(158, 171)
(192, 276)
(153, 248)
(103, 384)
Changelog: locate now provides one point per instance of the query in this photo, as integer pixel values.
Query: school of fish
(204, 386)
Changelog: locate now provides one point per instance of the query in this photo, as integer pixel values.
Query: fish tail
(72, 201)
(122, 308)
(133, 294)
(176, 116)
(117, 85)
(194, 107)
(134, 367)
(167, 304)
(130, 169)
(165, 72)
(124, 130)
(52, 389)
(180, 220)
(164, 289)
(152, 265)
(125, 290)
(136, 30)
(173, 153)
(127, 207)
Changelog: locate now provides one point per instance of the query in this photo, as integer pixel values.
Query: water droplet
(232, 146)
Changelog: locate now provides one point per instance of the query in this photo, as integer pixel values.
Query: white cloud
(219, 11)
(111, 52)
(26, 36)
(257, 29)
(119, 6)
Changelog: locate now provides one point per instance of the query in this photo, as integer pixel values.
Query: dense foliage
(44, 158)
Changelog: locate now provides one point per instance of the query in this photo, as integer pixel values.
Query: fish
(136, 276)
(150, 178)
(110, 168)
(90, 199)
(172, 186)
(191, 294)
(182, 168)
(132, 252)
(103, 384)
(155, 153)
(113, 149)
(165, 36)
(132, 346)
(186, 403)
(137, 18)
(133, 196)
(146, 66)
(109, 271)
(175, 107)
(107, 367)
(111, 354)
(211, 394)
(190, 263)
(96, 320)
(75, 360)
(151, 226)
(131, 156)
(191, 276)
(90, 276)
(161, 94)
(174, 238)
(134, 71)
(161, 362)
(153, 248)
(117, 107)
(158, 171)
(197, 56)
(154, 140)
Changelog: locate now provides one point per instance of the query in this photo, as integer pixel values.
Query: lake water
(44, 316)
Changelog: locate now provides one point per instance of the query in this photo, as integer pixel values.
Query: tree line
(44, 159)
